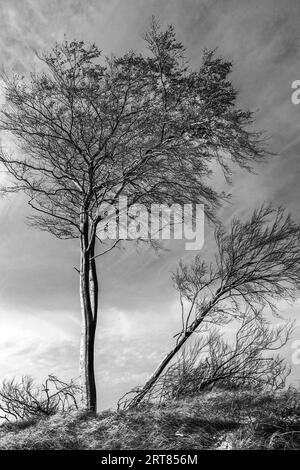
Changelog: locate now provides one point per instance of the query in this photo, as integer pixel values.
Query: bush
(25, 400)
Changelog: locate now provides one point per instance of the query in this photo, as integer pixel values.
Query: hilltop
(214, 420)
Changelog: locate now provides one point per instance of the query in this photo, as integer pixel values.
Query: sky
(139, 312)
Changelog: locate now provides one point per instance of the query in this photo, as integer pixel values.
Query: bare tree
(248, 362)
(90, 129)
(24, 399)
(257, 263)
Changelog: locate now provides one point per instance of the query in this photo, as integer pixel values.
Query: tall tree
(257, 263)
(142, 126)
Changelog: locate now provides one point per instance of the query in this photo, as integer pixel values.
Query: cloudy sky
(39, 302)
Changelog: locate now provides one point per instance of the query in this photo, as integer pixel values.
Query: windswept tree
(257, 263)
(249, 360)
(90, 129)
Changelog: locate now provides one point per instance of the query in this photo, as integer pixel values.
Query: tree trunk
(89, 307)
(167, 359)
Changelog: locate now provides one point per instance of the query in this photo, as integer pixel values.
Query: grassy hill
(214, 420)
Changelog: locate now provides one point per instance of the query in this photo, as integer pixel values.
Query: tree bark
(89, 309)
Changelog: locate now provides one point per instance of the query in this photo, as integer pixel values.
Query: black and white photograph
(150, 228)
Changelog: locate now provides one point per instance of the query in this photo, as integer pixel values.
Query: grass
(214, 420)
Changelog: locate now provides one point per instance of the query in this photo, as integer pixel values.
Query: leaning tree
(257, 263)
(247, 361)
(90, 129)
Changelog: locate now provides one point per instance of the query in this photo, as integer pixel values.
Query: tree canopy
(145, 126)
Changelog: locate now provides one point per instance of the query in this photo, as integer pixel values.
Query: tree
(91, 130)
(24, 399)
(244, 363)
(257, 263)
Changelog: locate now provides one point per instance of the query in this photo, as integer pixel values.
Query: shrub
(25, 400)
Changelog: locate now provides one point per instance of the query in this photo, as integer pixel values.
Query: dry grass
(215, 420)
